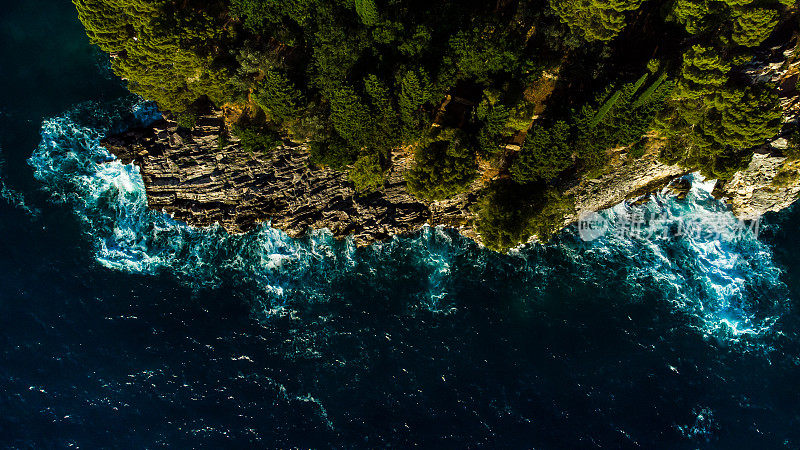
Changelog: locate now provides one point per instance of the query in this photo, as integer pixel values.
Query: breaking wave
(724, 284)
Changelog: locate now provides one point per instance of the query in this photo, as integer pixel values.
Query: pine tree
(410, 101)
(546, 153)
(595, 20)
(367, 11)
(703, 73)
(278, 96)
(441, 170)
(753, 26)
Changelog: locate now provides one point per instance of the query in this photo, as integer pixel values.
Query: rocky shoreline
(201, 181)
(188, 175)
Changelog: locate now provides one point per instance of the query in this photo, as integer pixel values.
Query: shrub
(367, 174)
(334, 153)
(256, 139)
(441, 170)
(509, 215)
(546, 153)
(186, 120)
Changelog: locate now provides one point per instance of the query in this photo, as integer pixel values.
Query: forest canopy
(539, 90)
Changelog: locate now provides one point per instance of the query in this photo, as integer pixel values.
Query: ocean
(122, 327)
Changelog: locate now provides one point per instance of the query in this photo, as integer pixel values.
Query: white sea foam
(713, 280)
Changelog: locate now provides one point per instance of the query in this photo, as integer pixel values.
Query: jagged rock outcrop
(771, 182)
(190, 176)
(624, 178)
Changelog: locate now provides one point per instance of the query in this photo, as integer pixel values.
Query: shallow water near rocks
(122, 326)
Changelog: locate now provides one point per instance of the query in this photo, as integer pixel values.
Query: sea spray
(726, 286)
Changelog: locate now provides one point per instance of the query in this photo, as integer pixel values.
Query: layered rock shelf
(190, 176)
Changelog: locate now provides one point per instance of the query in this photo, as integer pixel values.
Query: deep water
(124, 328)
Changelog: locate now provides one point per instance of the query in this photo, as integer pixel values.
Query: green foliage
(750, 25)
(223, 140)
(334, 52)
(509, 215)
(441, 170)
(792, 150)
(702, 74)
(410, 100)
(256, 139)
(350, 116)
(158, 50)
(605, 108)
(504, 218)
(694, 15)
(358, 79)
(334, 153)
(384, 113)
(187, 120)
(367, 11)
(621, 120)
(547, 152)
(647, 95)
(653, 65)
(278, 96)
(595, 20)
(548, 217)
(492, 119)
(744, 118)
(715, 139)
(480, 52)
(367, 174)
(259, 15)
(418, 42)
(753, 26)
(786, 178)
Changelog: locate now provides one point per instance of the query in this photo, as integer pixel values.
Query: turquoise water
(123, 327)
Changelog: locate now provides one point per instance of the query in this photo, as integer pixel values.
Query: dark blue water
(123, 328)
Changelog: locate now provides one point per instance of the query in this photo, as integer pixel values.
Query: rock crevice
(192, 177)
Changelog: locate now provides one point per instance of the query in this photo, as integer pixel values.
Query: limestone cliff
(771, 181)
(190, 176)
(201, 181)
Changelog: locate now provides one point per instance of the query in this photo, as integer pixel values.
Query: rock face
(197, 180)
(770, 183)
(190, 176)
(624, 178)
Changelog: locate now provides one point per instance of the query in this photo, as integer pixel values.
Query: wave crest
(727, 285)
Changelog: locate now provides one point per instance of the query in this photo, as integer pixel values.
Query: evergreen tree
(441, 170)
(367, 11)
(703, 73)
(350, 116)
(278, 96)
(410, 101)
(595, 20)
(546, 153)
(753, 26)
